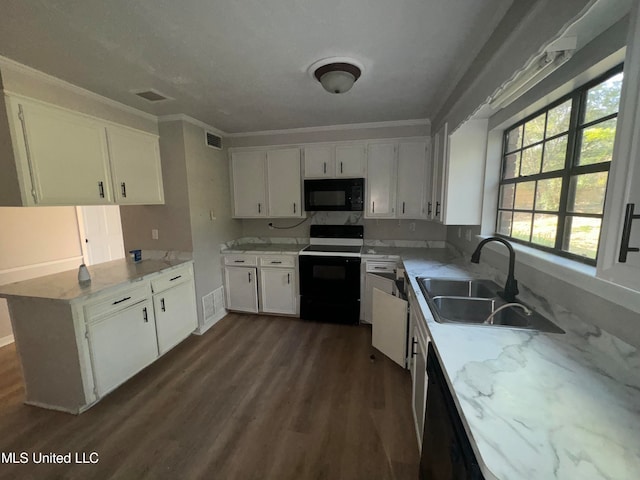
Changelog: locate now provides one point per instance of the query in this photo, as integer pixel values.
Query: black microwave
(336, 195)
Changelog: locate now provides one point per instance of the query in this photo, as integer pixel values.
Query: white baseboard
(6, 340)
(201, 330)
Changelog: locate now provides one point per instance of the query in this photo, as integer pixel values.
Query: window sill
(575, 273)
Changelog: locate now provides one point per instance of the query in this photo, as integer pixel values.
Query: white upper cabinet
(412, 180)
(319, 161)
(135, 164)
(334, 160)
(350, 160)
(284, 184)
(618, 259)
(458, 173)
(381, 180)
(53, 156)
(65, 155)
(249, 185)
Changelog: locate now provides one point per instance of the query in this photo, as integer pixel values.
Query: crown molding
(349, 126)
(192, 121)
(50, 79)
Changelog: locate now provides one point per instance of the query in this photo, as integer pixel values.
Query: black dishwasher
(446, 451)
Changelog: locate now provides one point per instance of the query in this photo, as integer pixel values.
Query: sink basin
(459, 288)
(472, 301)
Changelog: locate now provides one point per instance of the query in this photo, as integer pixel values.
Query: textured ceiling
(241, 66)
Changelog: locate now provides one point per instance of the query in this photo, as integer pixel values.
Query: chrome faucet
(511, 287)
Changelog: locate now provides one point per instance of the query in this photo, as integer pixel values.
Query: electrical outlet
(467, 234)
(212, 215)
(459, 232)
(154, 233)
(412, 226)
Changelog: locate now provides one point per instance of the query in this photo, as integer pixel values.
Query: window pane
(524, 195)
(531, 158)
(597, 143)
(514, 139)
(555, 152)
(545, 228)
(504, 223)
(534, 130)
(511, 165)
(506, 195)
(603, 99)
(521, 226)
(548, 194)
(586, 193)
(582, 236)
(558, 119)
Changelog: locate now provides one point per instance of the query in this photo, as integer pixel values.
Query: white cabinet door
(440, 146)
(284, 183)
(121, 345)
(381, 181)
(176, 316)
(241, 287)
(420, 380)
(375, 281)
(623, 189)
(319, 161)
(249, 185)
(389, 330)
(350, 160)
(277, 290)
(412, 179)
(135, 165)
(68, 156)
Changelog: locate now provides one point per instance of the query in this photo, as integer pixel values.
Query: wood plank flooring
(256, 397)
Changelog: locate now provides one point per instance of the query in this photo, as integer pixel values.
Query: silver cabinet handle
(101, 189)
(162, 307)
(144, 315)
(123, 186)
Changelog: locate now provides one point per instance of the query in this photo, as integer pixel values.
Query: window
(555, 167)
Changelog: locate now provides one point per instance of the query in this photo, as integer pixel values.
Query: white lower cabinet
(242, 289)
(176, 316)
(278, 290)
(121, 344)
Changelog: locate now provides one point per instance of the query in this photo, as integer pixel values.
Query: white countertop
(64, 285)
(537, 405)
(260, 248)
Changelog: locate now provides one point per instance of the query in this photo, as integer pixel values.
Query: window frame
(578, 99)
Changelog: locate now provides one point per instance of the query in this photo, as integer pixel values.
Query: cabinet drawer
(381, 267)
(116, 302)
(241, 260)
(277, 261)
(170, 279)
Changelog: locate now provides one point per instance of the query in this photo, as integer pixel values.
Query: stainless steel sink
(473, 301)
(460, 288)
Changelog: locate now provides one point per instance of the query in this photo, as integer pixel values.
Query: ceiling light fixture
(336, 75)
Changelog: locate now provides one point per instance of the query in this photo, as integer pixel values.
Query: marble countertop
(537, 405)
(64, 285)
(259, 248)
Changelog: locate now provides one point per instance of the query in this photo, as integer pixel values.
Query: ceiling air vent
(152, 96)
(213, 140)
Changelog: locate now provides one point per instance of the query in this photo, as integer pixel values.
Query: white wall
(35, 241)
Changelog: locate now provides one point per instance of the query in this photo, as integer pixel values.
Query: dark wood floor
(256, 397)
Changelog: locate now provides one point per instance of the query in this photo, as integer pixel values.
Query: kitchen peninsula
(77, 343)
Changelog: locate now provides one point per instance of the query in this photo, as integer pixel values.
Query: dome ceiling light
(336, 75)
